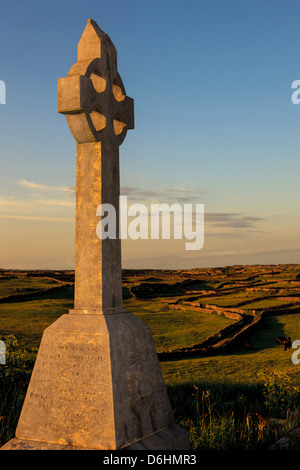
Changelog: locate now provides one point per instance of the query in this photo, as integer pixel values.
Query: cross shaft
(99, 113)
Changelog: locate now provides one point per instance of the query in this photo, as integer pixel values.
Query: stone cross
(97, 382)
(99, 113)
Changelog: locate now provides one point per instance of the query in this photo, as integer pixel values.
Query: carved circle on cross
(109, 113)
(104, 110)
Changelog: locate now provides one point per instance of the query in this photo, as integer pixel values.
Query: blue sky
(214, 124)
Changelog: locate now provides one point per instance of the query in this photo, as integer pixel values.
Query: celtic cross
(99, 113)
(97, 382)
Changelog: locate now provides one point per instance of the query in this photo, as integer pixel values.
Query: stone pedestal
(97, 384)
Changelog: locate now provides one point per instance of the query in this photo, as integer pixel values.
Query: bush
(226, 430)
(11, 400)
(19, 363)
(14, 378)
(233, 417)
(280, 394)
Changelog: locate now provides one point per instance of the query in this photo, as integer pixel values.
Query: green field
(29, 302)
(27, 317)
(173, 329)
(22, 285)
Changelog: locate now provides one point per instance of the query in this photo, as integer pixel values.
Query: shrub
(11, 400)
(280, 394)
(228, 416)
(14, 378)
(19, 363)
(212, 430)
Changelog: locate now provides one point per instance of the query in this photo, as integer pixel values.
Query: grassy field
(27, 317)
(27, 320)
(173, 329)
(22, 285)
(222, 381)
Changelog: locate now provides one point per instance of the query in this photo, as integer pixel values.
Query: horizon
(164, 269)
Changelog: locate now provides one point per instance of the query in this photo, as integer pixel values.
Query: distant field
(242, 366)
(23, 285)
(27, 320)
(233, 299)
(151, 295)
(176, 328)
(267, 303)
(173, 329)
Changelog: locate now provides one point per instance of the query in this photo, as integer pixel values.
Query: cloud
(55, 202)
(185, 191)
(127, 190)
(134, 192)
(169, 195)
(227, 235)
(71, 190)
(147, 193)
(35, 198)
(11, 202)
(231, 220)
(44, 187)
(180, 195)
(37, 218)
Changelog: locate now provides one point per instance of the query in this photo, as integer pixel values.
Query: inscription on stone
(75, 368)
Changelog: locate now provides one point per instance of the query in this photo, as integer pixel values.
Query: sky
(214, 125)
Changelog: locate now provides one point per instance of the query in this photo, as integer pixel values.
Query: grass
(242, 366)
(231, 299)
(27, 320)
(24, 286)
(218, 416)
(267, 303)
(235, 417)
(11, 400)
(173, 329)
(224, 401)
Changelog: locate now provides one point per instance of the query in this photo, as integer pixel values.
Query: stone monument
(97, 382)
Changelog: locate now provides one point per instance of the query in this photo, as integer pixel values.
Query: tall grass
(218, 416)
(14, 379)
(230, 417)
(11, 400)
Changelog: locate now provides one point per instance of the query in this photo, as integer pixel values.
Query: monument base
(172, 438)
(97, 384)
